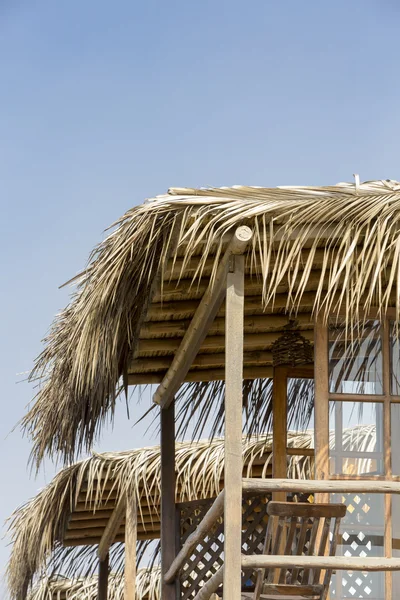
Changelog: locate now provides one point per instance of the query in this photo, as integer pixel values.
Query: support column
(279, 428)
(130, 548)
(103, 579)
(321, 403)
(168, 511)
(233, 429)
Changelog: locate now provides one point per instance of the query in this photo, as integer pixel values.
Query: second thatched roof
(57, 526)
(86, 588)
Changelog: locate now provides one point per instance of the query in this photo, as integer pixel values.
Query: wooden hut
(199, 286)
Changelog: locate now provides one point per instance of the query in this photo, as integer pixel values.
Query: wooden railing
(266, 487)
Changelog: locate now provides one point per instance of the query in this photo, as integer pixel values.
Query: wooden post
(130, 548)
(233, 430)
(168, 512)
(279, 428)
(321, 406)
(103, 579)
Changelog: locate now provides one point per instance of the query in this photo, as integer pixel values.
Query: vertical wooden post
(168, 511)
(233, 430)
(279, 428)
(103, 579)
(321, 402)
(130, 548)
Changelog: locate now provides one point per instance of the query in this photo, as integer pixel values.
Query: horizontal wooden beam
(179, 268)
(252, 324)
(205, 375)
(263, 561)
(198, 328)
(201, 361)
(189, 289)
(320, 486)
(253, 305)
(112, 528)
(215, 343)
(94, 540)
(202, 530)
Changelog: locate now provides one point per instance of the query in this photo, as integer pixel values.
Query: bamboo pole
(103, 579)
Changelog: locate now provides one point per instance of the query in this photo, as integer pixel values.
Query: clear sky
(103, 104)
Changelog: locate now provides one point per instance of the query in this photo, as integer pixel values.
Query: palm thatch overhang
(314, 249)
(86, 588)
(58, 530)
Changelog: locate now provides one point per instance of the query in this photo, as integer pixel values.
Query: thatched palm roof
(48, 533)
(313, 249)
(85, 588)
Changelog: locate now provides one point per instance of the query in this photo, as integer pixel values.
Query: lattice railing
(208, 555)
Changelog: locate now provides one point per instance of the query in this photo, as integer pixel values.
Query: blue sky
(104, 104)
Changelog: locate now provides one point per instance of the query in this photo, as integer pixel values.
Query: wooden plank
(214, 512)
(387, 448)
(233, 430)
(321, 402)
(252, 324)
(259, 561)
(130, 549)
(112, 528)
(211, 344)
(201, 375)
(103, 579)
(279, 427)
(321, 487)
(168, 511)
(198, 328)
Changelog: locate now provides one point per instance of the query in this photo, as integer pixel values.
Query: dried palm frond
(61, 588)
(38, 527)
(87, 349)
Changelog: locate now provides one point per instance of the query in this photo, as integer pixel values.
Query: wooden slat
(211, 344)
(252, 324)
(233, 430)
(201, 361)
(205, 314)
(112, 528)
(201, 375)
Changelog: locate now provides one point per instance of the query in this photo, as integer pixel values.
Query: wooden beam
(279, 427)
(130, 548)
(210, 586)
(233, 430)
(252, 324)
(215, 511)
(112, 528)
(320, 562)
(257, 372)
(261, 486)
(103, 579)
(168, 510)
(198, 328)
(321, 402)
(212, 343)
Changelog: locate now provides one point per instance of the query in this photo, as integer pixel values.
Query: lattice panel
(208, 556)
(361, 535)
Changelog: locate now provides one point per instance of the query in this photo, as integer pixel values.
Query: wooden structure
(196, 286)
